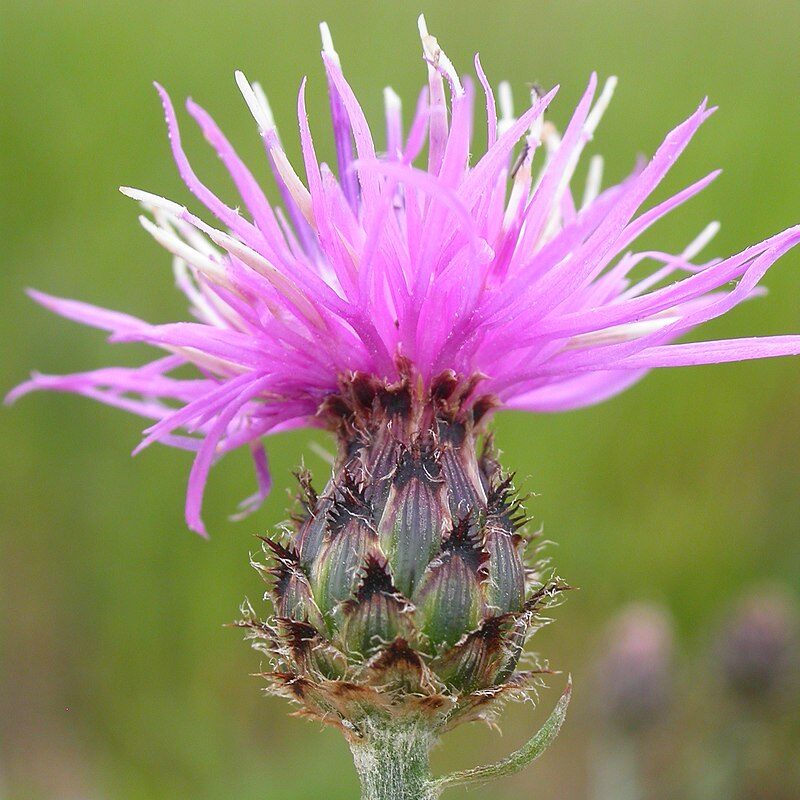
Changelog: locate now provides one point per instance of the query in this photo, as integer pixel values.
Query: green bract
(402, 589)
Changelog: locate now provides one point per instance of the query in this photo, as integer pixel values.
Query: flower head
(398, 261)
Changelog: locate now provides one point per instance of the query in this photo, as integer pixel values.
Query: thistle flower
(399, 301)
(490, 269)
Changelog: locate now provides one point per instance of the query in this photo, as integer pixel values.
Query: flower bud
(634, 669)
(403, 588)
(758, 646)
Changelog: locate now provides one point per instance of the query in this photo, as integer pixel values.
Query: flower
(489, 269)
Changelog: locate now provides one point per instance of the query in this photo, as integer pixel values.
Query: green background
(118, 679)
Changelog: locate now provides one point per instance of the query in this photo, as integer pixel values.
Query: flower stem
(392, 760)
(392, 756)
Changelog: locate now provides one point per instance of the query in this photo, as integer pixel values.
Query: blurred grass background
(118, 679)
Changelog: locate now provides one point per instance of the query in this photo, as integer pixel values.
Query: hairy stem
(391, 759)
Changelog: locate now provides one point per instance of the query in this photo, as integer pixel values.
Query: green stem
(392, 760)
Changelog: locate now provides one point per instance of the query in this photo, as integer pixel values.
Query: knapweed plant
(399, 301)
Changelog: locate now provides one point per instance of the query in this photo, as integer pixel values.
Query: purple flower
(493, 268)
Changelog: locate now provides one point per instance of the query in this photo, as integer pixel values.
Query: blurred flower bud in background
(633, 673)
(758, 649)
(633, 689)
(748, 750)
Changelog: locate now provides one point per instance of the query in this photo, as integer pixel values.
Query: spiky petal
(486, 267)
